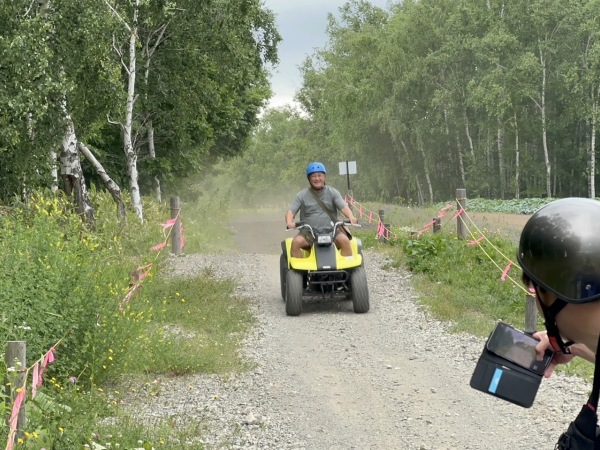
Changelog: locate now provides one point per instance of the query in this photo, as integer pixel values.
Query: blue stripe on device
(495, 380)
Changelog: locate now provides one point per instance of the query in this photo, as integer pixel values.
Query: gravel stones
(393, 378)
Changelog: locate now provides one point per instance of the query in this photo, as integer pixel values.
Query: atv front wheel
(283, 269)
(360, 291)
(293, 293)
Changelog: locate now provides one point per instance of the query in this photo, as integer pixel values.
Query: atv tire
(293, 293)
(283, 269)
(360, 291)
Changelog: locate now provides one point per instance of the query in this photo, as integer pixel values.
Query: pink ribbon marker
(505, 272)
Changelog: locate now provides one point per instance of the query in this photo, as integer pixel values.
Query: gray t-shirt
(311, 212)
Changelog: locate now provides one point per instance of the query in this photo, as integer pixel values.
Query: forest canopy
(499, 97)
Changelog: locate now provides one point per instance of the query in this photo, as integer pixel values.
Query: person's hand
(291, 225)
(559, 357)
(353, 220)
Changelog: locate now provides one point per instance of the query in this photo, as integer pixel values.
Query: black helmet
(560, 249)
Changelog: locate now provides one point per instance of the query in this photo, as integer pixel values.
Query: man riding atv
(318, 206)
(323, 260)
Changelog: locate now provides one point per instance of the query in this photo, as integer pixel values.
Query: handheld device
(517, 347)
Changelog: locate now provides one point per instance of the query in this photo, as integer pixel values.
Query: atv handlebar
(300, 225)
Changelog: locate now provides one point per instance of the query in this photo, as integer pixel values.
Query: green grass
(198, 327)
(460, 283)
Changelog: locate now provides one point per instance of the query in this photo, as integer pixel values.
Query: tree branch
(114, 11)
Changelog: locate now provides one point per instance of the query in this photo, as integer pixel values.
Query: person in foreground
(318, 206)
(559, 252)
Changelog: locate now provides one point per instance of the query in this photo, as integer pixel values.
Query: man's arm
(289, 219)
(346, 211)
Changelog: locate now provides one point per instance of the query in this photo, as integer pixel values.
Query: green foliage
(515, 206)
(431, 96)
(461, 283)
(422, 253)
(52, 286)
(198, 330)
(63, 280)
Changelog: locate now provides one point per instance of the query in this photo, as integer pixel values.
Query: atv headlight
(324, 239)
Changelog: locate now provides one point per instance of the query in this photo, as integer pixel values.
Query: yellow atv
(323, 272)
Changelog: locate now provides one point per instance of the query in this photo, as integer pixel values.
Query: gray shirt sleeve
(338, 200)
(296, 203)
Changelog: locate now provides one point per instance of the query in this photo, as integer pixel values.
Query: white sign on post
(351, 168)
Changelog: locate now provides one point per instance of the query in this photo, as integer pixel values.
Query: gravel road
(393, 378)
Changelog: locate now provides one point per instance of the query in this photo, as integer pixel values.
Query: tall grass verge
(457, 282)
(63, 280)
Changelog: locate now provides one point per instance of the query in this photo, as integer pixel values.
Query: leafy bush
(61, 281)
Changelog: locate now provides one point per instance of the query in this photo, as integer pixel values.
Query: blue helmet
(315, 167)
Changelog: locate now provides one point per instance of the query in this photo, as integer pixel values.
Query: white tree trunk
(53, 172)
(461, 164)
(426, 170)
(544, 127)
(111, 186)
(152, 152)
(128, 145)
(71, 172)
(468, 133)
(501, 169)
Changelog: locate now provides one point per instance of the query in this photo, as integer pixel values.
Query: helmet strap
(550, 313)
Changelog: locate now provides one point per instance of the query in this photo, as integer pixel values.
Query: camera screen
(517, 347)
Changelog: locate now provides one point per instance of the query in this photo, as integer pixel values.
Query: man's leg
(343, 243)
(298, 244)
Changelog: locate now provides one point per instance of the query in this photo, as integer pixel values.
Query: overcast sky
(301, 24)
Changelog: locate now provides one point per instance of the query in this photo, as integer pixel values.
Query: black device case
(501, 378)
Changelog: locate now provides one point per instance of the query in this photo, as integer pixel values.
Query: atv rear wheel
(293, 293)
(283, 269)
(360, 291)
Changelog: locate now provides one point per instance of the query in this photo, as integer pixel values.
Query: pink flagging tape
(505, 271)
(426, 228)
(477, 241)
(35, 376)
(14, 415)
(169, 223)
(380, 229)
(159, 246)
(37, 380)
(142, 272)
(458, 213)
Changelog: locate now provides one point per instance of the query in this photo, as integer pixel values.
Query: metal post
(348, 175)
(176, 230)
(437, 225)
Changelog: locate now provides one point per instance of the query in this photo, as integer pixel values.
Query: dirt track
(389, 379)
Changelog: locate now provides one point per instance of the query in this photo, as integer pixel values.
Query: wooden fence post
(530, 314)
(15, 357)
(461, 205)
(176, 230)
